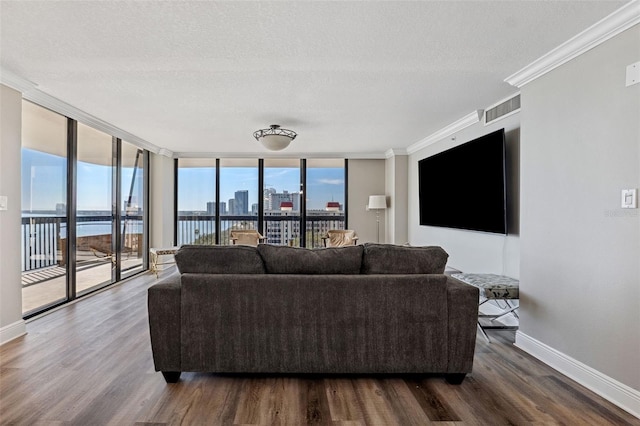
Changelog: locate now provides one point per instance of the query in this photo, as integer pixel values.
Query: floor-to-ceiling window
(217, 196)
(78, 184)
(238, 196)
(44, 198)
(282, 201)
(95, 239)
(197, 208)
(133, 209)
(325, 198)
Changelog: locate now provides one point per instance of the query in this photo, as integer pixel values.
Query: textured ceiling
(349, 77)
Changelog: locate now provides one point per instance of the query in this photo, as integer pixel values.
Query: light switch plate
(630, 198)
(633, 74)
(3, 202)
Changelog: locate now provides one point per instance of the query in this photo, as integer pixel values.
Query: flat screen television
(465, 186)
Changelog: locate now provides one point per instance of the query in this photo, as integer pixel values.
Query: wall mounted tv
(465, 186)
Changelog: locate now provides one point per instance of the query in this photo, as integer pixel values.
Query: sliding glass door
(44, 196)
(95, 239)
(132, 209)
(84, 220)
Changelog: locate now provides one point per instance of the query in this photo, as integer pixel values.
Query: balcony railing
(278, 229)
(44, 239)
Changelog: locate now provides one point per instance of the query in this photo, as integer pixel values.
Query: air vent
(502, 110)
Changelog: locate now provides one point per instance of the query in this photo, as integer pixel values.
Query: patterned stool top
(164, 251)
(493, 286)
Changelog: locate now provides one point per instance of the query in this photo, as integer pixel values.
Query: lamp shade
(377, 202)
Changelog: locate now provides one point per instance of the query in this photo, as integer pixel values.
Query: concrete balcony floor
(46, 286)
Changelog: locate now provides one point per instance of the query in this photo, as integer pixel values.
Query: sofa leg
(455, 378)
(171, 376)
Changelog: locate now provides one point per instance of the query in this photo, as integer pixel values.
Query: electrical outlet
(630, 198)
(3, 202)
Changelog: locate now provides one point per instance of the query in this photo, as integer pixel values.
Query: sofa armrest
(462, 301)
(163, 304)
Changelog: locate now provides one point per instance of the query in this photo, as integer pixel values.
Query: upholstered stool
(494, 287)
(154, 255)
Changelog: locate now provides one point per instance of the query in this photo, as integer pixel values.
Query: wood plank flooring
(90, 363)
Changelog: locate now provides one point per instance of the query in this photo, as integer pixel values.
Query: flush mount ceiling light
(275, 138)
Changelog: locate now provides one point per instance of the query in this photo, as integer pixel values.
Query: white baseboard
(610, 389)
(12, 331)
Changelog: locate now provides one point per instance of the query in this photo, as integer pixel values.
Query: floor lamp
(377, 203)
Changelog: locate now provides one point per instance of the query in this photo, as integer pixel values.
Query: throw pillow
(393, 259)
(294, 260)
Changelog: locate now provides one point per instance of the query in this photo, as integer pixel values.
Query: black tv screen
(464, 187)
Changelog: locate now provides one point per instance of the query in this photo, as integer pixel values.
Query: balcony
(44, 262)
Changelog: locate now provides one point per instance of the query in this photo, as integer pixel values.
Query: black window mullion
(303, 202)
(261, 196)
(346, 193)
(72, 184)
(145, 212)
(175, 202)
(218, 225)
(116, 211)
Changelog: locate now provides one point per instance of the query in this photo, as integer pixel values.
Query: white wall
(397, 191)
(11, 323)
(470, 251)
(161, 215)
(580, 273)
(366, 177)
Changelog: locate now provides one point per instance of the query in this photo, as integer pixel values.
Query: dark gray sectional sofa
(272, 309)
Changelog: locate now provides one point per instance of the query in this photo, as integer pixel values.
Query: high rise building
(211, 208)
(242, 202)
(277, 198)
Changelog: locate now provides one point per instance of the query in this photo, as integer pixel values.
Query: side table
(494, 287)
(155, 253)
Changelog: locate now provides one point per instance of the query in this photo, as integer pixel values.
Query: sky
(44, 184)
(196, 186)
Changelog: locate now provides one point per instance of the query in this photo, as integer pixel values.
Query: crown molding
(31, 93)
(392, 152)
(10, 79)
(608, 27)
(466, 121)
(166, 152)
(280, 154)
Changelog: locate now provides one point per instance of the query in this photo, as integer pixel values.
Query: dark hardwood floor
(90, 363)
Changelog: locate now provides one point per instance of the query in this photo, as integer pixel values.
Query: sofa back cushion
(393, 259)
(219, 260)
(294, 260)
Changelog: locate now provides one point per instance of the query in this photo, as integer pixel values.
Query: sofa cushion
(294, 260)
(219, 260)
(393, 259)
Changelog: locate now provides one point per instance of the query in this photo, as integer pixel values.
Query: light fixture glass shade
(275, 142)
(275, 138)
(377, 202)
